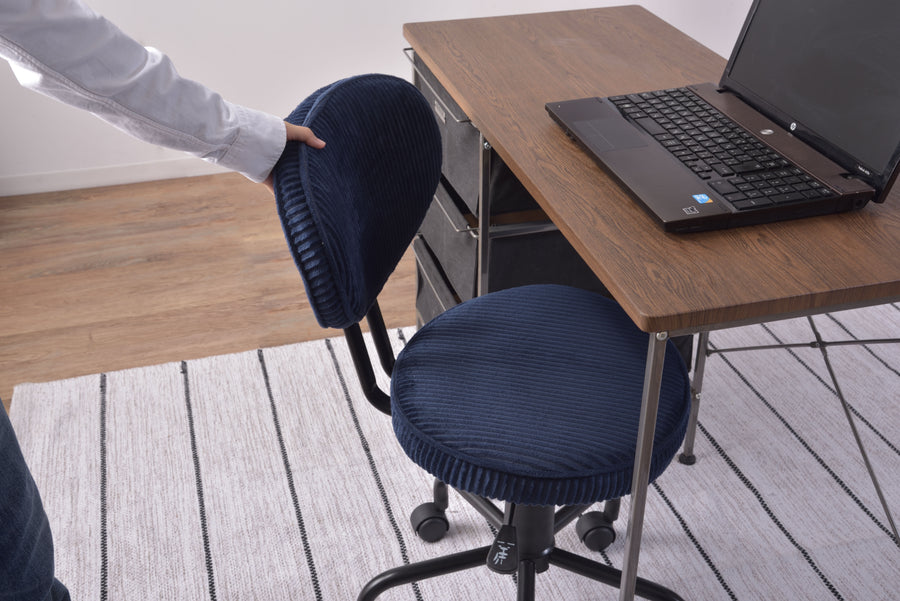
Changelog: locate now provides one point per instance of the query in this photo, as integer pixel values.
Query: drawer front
(536, 256)
(460, 143)
(433, 293)
(446, 232)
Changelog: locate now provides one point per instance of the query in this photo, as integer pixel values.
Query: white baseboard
(104, 176)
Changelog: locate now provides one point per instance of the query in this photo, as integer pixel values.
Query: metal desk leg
(687, 456)
(641, 480)
(484, 216)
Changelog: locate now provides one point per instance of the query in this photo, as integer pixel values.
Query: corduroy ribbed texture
(532, 395)
(350, 210)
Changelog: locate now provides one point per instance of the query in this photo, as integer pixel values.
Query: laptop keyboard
(747, 173)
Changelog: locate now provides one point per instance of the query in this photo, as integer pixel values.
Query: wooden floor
(112, 278)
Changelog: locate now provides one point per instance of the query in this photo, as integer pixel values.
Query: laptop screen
(828, 70)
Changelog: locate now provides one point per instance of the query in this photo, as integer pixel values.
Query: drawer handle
(509, 230)
(459, 226)
(409, 55)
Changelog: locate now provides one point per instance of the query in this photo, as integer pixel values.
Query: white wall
(267, 54)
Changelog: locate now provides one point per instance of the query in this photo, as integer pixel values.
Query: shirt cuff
(258, 146)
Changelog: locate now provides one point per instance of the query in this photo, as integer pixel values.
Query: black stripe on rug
(204, 530)
(694, 541)
(104, 530)
(307, 550)
(765, 506)
(401, 541)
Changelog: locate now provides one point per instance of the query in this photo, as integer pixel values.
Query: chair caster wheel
(430, 522)
(595, 531)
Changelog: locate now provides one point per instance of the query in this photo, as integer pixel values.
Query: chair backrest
(350, 210)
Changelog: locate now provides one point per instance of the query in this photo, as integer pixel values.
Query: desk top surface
(502, 71)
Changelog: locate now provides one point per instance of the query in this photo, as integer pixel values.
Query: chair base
(525, 545)
(526, 574)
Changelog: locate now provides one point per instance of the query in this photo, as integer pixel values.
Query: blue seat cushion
(350, 210)
(532, 395)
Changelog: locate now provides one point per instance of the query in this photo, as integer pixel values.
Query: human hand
(299, 133)
(296, 133)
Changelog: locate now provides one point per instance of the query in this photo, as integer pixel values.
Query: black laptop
(805, 121)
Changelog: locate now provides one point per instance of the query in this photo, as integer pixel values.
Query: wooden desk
(501, 71)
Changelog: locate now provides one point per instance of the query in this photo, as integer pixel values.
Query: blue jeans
(26, 546)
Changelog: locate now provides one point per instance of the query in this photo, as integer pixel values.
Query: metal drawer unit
(516, 245)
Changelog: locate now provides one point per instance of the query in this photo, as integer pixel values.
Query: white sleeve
(62, 49)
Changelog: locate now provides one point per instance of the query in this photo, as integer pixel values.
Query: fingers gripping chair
(529, 396)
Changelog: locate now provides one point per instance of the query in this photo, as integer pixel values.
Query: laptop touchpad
(603, 134)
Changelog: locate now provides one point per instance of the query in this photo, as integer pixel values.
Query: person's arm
(65, 50)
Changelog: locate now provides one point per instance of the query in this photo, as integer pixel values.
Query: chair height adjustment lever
(504, 556)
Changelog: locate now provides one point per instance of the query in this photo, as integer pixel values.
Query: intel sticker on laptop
(702, 198)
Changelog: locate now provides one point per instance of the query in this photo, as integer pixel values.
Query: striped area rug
(264, 475)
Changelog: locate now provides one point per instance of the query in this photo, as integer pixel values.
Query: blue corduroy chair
(530, 396)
